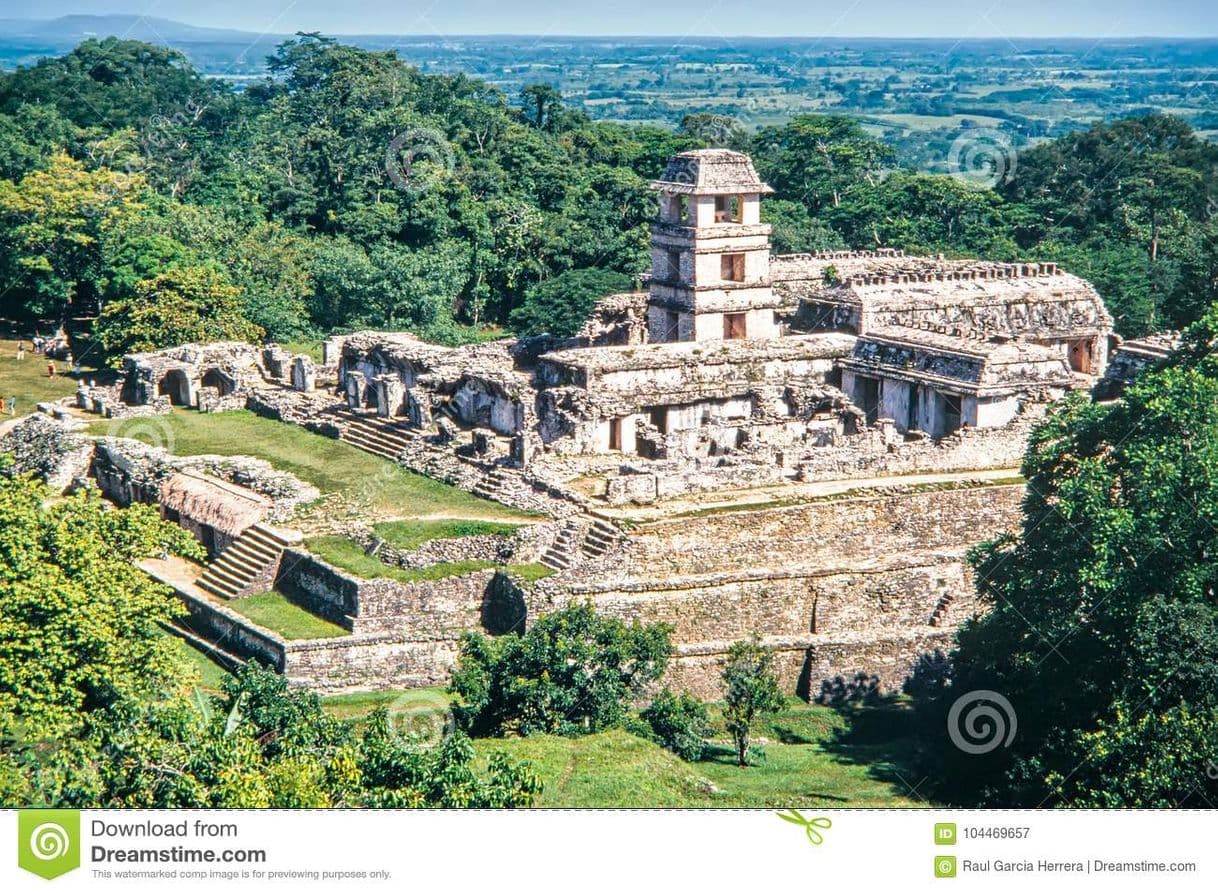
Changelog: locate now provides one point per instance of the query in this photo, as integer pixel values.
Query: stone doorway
(1081, 355)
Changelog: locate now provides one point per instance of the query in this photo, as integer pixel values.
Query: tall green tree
(191, 305)
(1102, 630)
(559, 306)
(52, 225)
(574, 672)
(818, 159)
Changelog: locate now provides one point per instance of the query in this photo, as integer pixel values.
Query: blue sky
(814, 18)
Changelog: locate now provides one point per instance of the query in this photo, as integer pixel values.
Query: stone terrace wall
(853, 585)
(836, 531)
(427, 609)
(360, 663)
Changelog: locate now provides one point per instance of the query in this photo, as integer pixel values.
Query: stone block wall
(872, 585)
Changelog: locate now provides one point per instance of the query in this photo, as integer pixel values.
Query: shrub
(571, 674)
(679, 723)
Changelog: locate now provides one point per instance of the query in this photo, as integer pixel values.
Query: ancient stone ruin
(800, 448)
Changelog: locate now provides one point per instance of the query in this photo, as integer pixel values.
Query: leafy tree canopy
(559, 306)
(1103, 629)
(572, 673)
(191, 305)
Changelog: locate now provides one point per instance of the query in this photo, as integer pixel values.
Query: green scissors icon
(809, 825)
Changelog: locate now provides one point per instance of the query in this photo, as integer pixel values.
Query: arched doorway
(214, 378)
(176, 386)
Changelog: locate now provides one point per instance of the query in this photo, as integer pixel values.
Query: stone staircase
(239, 566)
(561, 555)
(576, 542)
(491, 484)
(600, 538)
(374, 435)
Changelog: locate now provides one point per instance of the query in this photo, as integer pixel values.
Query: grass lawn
(27, 380)
(813, 756)
(274, 611)
(330, 465)
(311, 348)
(410, 535)
(349, 556)
(360, 704)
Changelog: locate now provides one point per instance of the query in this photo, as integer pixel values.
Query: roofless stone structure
(781, 387)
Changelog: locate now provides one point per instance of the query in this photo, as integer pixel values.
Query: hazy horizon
(687, 19)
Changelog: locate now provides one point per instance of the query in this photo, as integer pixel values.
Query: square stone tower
(710, 252)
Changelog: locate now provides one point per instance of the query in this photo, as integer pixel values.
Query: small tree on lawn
(751, 688)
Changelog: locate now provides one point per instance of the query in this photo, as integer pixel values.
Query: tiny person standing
(20, 350)
(50, 368)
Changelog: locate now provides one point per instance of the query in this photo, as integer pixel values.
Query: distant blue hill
(74, 28)
(211, 50)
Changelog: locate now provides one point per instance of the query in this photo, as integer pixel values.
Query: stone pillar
(304, 374)
(525, 446)
(356, 386)
(419, 410)
(389, 391)
(276, 360)
(332, 350)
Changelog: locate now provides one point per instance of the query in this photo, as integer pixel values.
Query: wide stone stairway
(245, 562)
(375, 435)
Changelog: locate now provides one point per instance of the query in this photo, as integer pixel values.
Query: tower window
(672, 325)
(735, 326)
(729, 209)
(673, 260)
(731, 267)
(672, 208)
